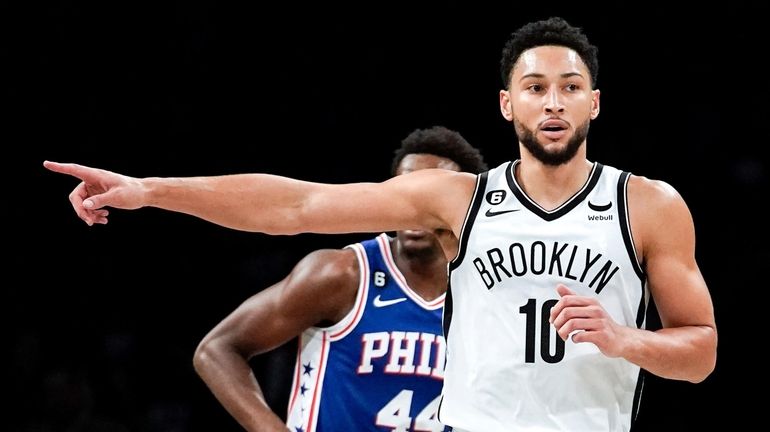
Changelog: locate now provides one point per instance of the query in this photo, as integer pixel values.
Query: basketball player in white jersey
(556, 255)
(368, 317)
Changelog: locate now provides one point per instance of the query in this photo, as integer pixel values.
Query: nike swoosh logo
(491, 213)
(600, 208)
(382, 303)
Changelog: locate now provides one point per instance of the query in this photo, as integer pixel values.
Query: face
(417, 242)
(550, 102)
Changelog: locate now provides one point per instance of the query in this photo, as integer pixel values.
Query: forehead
(418, 161)
(549, 60)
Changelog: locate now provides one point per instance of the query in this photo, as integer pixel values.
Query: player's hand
(587, 321)
(98, 189)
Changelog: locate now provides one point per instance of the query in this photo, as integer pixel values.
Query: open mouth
(554, 129)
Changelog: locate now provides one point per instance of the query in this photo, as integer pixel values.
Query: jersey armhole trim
(349, 322)
(470, 216)
(625, 224)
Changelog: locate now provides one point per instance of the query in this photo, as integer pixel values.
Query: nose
(553, 103)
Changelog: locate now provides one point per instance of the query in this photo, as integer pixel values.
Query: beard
(552, 158)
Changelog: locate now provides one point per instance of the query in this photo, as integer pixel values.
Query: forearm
(247, 202)
(231, 380)
(682, 353)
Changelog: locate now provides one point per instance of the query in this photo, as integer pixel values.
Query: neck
(550, 186)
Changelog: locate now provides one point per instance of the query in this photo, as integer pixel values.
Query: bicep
(676, 283)
(680, 292)
(426, 199)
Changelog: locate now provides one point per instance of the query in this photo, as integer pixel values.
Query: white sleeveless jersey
(507, 369)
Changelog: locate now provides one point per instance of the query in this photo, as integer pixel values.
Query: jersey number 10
(530, 310)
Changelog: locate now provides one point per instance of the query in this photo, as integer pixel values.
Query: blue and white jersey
(381, 368)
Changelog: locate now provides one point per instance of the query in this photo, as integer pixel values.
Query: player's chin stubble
(553, 158)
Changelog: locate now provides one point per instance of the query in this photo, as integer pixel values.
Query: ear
(595, 103)
(505, 105)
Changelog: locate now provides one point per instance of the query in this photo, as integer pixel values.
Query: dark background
(103, 321)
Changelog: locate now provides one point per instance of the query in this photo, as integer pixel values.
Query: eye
(572, 87)
(536, 88)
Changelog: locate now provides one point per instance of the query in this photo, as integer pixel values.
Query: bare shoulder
(658, 214)
(654, 195)
(332, 267)
(324, 285)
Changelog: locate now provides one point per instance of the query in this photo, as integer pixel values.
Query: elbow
(217, 355)
(205, 357)
(707, 358)
(704, 371)
(201, 357)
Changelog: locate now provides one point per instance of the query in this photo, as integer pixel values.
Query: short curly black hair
(443, 142)
(553, 31)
